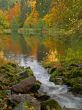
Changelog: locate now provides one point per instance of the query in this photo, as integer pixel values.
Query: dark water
(41, 47)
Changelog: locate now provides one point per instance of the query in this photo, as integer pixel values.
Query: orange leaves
(8, 44)
(33, 4)
(50, 43)
(13, 12)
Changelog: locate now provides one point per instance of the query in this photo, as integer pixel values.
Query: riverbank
(19, 90)
(24, 31)
(69, 74)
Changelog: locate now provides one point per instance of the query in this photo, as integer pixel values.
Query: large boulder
(24, 86)
(25, 101)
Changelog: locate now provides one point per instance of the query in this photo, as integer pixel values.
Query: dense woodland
(59, 14)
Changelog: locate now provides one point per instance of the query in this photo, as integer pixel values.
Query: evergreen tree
(43, 6)
(25, 9)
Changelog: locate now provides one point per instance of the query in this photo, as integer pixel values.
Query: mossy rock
(75, 84)
(10, 73)
(36, 86)
(26, 72)
(55, 77)
(73, 72)
(50, 105)
(29, 71)
(9, 76)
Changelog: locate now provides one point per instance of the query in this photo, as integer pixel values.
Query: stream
(57, 92)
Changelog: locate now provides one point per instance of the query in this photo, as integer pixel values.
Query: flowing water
(57, 92)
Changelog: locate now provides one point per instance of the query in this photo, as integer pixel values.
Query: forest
(61, 15)
(40, 54)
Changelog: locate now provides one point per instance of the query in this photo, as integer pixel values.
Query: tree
(63, 13)
(32, 19)
(13, 12)
(25, 10)
(4, 4)
(3, 21)
(14, 26)
(42, 6)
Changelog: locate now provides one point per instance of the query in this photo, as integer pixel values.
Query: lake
(41, 47)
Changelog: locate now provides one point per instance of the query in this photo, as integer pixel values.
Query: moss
(29, 71)
(47, 65)
(24, 106)
(54, 75)
(10, 75)
(50, 105)
(68, 73)
(76, 85)
(36, 87)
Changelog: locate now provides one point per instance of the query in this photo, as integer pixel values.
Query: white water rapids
(57, 92)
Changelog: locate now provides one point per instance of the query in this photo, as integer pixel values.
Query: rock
(52, 70)
(24, 86)
(56, 77)
(70, 108)
(75, 84)
(24, 99)
(35, 87)
(58, 80)
(50, 105)
(76, 65)
(41, 97)
(9, 78)
(23, 74)
(26, 73)
(69, 74)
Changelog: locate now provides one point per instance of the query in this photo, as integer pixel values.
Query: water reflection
(40, 47)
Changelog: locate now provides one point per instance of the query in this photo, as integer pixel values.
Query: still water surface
(40, 47)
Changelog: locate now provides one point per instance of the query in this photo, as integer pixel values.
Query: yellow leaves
(33, 4)
(51, 17)
(2, 58)
(52, 56)
(1, 13)
(33, 18)
(50, 43)
(3, 19)
(55, 14)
